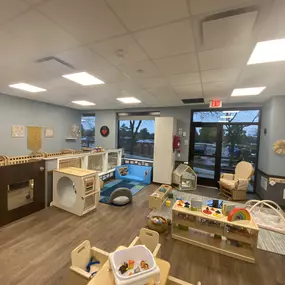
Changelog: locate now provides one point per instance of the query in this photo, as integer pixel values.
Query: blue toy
(90, 263)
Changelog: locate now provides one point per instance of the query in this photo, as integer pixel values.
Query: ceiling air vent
(229, 27)
(193, 101)
(56, 65)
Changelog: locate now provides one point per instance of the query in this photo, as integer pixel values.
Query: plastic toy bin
(136, 253)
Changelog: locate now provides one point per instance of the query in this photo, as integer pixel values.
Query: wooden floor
(36, 250)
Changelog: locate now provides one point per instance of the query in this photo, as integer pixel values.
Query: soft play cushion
(120, 201)
(121, 196)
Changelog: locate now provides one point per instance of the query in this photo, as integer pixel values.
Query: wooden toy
(157, 198)
(239, 214)
(184, 178)
(76, 190)
(227, 208)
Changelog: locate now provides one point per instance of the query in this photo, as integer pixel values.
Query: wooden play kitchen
(157, 198)
(209, 228)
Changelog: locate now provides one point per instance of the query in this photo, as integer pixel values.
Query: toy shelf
(236, 239)
(157, 198)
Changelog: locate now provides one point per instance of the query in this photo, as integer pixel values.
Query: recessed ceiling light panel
(230, 111)
(27, 87)
(83, 103)
(268, 51)
(129, 100)
(247, 91)
(226, 117)
(83, 78)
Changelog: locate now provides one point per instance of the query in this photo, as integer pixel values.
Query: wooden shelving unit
(236, 239)
(157, 198)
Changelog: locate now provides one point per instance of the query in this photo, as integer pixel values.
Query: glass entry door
(206, 156)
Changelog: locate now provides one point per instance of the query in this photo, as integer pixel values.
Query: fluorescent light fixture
(230, 111)
(223, 121)
(83, 103)
(247, 91)
(268, 51)
(226, 117)
(27, 87)
(129, 100)
(83, 78)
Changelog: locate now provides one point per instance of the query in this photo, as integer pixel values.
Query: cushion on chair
(228, 184)
(243, 170)
(122, 200)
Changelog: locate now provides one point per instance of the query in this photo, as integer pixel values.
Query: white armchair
(234, 186)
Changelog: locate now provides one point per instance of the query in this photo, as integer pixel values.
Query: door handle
(42, 168)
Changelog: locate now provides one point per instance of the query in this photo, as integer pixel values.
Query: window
(227, 116)
(87, 131)
(136, 137)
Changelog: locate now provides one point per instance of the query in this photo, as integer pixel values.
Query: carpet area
(109, 187)
(267, 240)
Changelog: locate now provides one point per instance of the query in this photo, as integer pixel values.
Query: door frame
(218, 155)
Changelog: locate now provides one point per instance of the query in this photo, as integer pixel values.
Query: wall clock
(104, 131)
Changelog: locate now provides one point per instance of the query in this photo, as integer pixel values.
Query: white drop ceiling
(158, 51)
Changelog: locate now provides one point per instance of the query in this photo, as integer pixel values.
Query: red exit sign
(216, 104)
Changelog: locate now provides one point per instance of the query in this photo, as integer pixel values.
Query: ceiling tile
(227, 74)
(87, 21)
(108, 73)
(177, 64)
(184, 79)
(40, 34)
(130, 50)
(167, 40)
(137, 14)
(228, 31)
(154, 82)
(188, 91)
(11, 8)
(142, 69)
(163, 92)
(82, 58)
(210, 6)
(224, 57)
(218, 89)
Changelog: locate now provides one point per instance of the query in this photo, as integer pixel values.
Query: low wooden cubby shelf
(236, 239)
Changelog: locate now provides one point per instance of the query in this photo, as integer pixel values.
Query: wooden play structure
(101, 273)
(235, 235)
(234, 186)
(157, 198)
(76, 190)
(184, 178)
(150, 239)
(267, 214)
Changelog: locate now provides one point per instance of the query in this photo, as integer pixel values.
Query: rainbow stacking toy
(238, 214)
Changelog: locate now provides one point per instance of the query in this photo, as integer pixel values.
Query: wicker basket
(160, 228)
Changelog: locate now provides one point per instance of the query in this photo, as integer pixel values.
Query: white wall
(16, 111)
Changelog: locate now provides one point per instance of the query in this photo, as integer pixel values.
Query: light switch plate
(184, 134)
(185, 142)
(284, 194)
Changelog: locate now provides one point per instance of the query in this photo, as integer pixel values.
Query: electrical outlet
(284, 194)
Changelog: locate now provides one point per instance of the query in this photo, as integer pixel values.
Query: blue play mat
(109, 187)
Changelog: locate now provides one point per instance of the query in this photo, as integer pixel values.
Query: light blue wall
(273, 119)
(109, 119)
(16, 111)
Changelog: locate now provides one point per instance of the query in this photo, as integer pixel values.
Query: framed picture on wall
(18, 131)
(49, 132)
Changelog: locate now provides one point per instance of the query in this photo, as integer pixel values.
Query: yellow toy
(168, 203)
